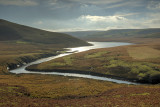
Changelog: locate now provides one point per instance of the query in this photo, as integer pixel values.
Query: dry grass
(48, 90)
(143, 52)
(47, 86)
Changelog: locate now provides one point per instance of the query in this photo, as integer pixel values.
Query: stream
(96, 45)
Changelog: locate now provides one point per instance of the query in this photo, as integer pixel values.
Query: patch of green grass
(117, 96)
(68, 60)
(10, 89)
(139, 70)
(21, 42)
(94, 55)
(140, 94)
(57, 64)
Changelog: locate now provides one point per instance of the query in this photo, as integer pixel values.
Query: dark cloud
(19, 2)
(77, 14)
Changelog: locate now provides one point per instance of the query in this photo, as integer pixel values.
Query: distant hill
(125, 33)
(81, 33)
(12, 31)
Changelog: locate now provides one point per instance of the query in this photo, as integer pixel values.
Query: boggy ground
(48, 90)
(137, 62)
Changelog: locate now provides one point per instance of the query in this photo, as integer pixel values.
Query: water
(96, 45)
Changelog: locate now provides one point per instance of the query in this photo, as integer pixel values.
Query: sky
(82, 15)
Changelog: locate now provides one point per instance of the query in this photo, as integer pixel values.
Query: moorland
(49, 90)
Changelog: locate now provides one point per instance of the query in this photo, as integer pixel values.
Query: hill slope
(81, 33)
(119, 33)
(12, 31)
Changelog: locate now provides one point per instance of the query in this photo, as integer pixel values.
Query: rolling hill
(129, 33)
(81, 33)
(12, 31)
(117, 33)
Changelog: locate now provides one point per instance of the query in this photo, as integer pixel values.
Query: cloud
(90, 22)
(118, 22)
(52, 2)
(71, 3)
(19, 2)
(102, 18)
(71, 15)
(152, 20)
(126, 14)
(39, 22)
(154, 5)
(96, 2)
(123, 4)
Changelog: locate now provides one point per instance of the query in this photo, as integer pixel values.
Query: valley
(138, 62)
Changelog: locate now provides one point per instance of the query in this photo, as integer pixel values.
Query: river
(96, 45)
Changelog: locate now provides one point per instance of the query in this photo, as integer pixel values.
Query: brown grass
(45, 86)
(143, 52)
(49, 90)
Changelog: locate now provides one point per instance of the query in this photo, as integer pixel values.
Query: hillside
(12, 31)
(129, 33)
(81, 33)
(121, 33)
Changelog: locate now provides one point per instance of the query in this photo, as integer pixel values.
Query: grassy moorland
(49, 90)
(137, 63)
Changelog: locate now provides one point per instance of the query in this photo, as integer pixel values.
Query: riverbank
(85, 73)
(14, 55)
(125, 62)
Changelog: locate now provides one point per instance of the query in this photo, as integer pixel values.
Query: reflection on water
(97, 45)
(77, 49)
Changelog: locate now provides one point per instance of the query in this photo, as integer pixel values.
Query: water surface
(96, 45)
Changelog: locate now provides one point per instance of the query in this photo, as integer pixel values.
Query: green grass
(140, 94)
(21, 42)
(68, 60)
(57, 64)
(94, 55)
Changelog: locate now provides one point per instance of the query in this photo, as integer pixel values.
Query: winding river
(96, 45)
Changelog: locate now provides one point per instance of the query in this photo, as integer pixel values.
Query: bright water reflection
(77, 49)
(97, 45)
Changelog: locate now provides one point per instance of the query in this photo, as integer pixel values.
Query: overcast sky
(75, 15)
